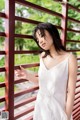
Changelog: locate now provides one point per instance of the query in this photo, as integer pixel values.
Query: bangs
(42, 33)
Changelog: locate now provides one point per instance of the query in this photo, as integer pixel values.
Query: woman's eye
(42, 35)
(37, 40)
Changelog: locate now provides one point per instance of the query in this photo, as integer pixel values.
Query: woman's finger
(21, 68)
(18, 71)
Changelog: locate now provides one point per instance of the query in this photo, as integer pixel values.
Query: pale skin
(47, 44)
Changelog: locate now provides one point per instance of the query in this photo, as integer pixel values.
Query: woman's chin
(45, 49)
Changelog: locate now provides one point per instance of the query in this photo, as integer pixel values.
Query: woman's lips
(43, 45)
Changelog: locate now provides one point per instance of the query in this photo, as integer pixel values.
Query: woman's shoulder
(70, 54)
(41, 55)
(72, 58)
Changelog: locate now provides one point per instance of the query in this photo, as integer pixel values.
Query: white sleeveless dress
(51, 98)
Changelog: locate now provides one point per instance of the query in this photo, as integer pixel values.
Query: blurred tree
(2, 6)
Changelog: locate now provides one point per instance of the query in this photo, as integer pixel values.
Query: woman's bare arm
(22, 73)
(71, 85)
(32, 77)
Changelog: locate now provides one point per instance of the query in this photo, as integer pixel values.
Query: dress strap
(69, 55)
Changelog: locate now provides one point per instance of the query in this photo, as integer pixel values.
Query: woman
(56, 76)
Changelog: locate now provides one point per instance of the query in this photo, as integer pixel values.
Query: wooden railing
(9, 53)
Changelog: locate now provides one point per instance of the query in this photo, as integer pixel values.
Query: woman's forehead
(39, 32)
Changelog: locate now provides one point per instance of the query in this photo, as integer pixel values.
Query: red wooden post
(9, 59)
(64, 21)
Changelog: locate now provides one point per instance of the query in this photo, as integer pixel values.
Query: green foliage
(75, 15)
(76, 37)
(75, 3)
(31, 45)
(24, 28)
(51, 5)
(2, 5)
(2, 93)
(1, 25)
(70, 35)
(1, 65)
(1, 78)
(44, 17)
(2, 62)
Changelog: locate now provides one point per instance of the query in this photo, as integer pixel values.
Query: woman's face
(45, 42)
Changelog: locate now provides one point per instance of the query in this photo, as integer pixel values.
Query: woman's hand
(24, 74)
(21, 73)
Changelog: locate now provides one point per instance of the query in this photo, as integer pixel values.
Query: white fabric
(51, 98)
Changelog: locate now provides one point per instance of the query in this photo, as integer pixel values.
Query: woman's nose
(41, 40)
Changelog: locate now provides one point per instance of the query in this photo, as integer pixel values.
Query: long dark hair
(54, 34)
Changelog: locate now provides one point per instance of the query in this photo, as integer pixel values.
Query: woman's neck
(54, 53)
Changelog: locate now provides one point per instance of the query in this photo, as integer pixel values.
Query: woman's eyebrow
(39, 33)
